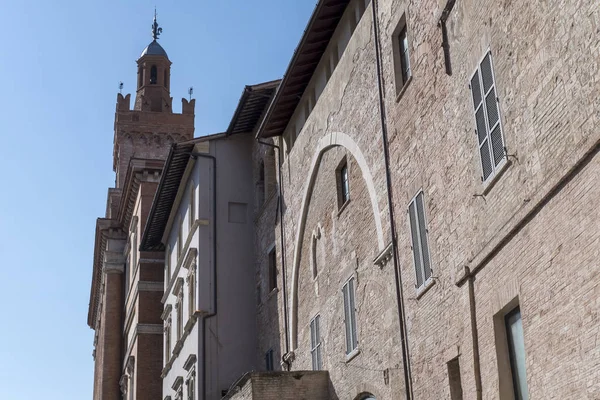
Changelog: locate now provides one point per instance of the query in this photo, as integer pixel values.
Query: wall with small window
(342, 294)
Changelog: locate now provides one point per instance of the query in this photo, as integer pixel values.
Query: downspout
(214, 220)
(280, 208)
(474, 334)
(388, 178)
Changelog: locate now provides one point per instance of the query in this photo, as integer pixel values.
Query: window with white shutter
(488, 127)
(350, 316)
(315, 343)
(419, 239)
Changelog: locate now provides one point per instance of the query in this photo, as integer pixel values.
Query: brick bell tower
(127, 285)
(147, 131)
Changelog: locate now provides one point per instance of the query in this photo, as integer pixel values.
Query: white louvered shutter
(487, 118)
(419, 239)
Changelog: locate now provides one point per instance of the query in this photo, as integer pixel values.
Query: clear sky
(60, 65)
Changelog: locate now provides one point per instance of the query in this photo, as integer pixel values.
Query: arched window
(166, 79)
(153, 75)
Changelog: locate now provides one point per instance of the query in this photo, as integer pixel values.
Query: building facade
(438, 177)
(127, 284)
(420, 221)
(202, 219)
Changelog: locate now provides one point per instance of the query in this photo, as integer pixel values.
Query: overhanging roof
(165, 196)
(254, 101)
(320, 28)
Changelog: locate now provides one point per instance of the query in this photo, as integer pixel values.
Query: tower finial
(156, 31)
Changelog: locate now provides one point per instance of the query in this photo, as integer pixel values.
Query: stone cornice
(105, 229)
(139, 170)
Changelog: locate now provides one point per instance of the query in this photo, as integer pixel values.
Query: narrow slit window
(488, 128)
(272, 270)
(179, 310)
(419, 239)
(192, 206)
(192, 293)
(343, 183)
(269, 360)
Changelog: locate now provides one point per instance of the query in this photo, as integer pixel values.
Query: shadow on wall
(332, 394)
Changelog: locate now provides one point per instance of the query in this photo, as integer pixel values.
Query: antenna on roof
(190, 92)
(120, 87)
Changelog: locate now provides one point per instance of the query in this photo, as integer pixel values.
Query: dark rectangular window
(343, 183)
(404, 58)
(315, 343)
(350, 316)
(516, 352)
(456, 392)
(272, 270)
(269, 360)
(419, 239)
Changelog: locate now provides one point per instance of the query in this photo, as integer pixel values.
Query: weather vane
(156, 31)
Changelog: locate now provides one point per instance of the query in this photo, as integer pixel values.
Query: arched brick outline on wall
(327, 142)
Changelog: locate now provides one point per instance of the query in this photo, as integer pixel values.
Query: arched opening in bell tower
(153, 75)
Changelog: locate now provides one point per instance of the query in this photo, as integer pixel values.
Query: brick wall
(520, 244)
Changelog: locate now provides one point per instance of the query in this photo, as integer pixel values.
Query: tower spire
(156, 30)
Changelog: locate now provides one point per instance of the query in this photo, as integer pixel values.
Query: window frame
(511, 347)
(496, 169)
(272, 268)
(269, 360)
(426, 282)
(179, 310)
(350, 325)
(403, 71)
(192, 207)
(167, 335)
(316, 343)
(343, 183)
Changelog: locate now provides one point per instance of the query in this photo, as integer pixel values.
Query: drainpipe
(388, 178)
(214, 313)
(474, 334)
(280, 208)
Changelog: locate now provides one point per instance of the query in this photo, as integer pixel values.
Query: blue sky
(61, 62)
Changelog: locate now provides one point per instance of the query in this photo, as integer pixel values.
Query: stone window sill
(400, 94)
(425, 287)
(491, 182)
(352, 355)
(343, 207)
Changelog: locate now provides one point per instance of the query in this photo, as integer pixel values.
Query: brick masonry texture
(531, 237)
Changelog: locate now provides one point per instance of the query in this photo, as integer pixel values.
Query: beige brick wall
(545, 58)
